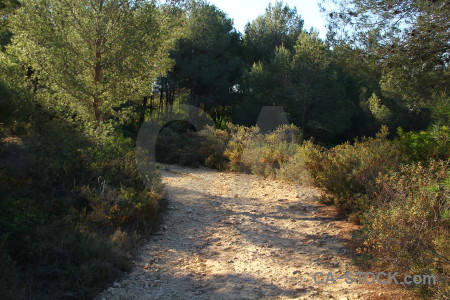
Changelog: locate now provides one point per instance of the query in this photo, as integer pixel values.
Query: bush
(212, 147)
(426, 145)
(250, 151)
(295, 169)
(349, 172)
(240, 138)
(408, 227)
(114, 208)
(265, 159)
(177, 143)
(65, 233)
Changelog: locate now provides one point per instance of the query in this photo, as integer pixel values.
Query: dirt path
(238, 236)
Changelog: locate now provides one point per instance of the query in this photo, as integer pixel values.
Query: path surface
(239, 236)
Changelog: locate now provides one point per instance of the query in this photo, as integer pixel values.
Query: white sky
(243, 11)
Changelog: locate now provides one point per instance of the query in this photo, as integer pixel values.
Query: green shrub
(349, 172)
(265, 159)
(114, 208)
(407, 229)
(240, 138)
(295, 169)
(426, 145)
(177, 143)
(285, 133)
(67, 232)
(250, 151)
(213, 143)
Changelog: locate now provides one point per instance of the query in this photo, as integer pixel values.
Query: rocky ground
(239, 236)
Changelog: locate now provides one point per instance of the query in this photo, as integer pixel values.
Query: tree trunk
(98, 111)
(143, 110)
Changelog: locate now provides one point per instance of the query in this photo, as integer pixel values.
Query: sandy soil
(239, 236)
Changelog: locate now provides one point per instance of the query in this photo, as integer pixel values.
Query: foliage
(212, 147)
(408, 229)
(240, 137)
(265, 154)
(279, 26)
(94, 56)
(49, 214)
(303, 81)
(349, 172)
(7, 7)
(294, 168)
(406, 41)
(426, 145)
(208, 58)
(177, 144)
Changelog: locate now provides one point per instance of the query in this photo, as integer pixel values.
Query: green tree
(279, 26)
(306, 83)
(208, 58)
(406, 42)
(7, 7)
(94, 54)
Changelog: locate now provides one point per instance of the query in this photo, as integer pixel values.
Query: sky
(243, 11)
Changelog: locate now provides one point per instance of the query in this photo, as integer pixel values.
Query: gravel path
(239, 236)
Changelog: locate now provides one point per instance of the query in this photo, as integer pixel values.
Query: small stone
(335, 264)
(236, 196)
(300, 288)
(116, 284)
(296, 272)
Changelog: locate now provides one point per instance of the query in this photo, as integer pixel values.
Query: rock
(116, 284)
(296, 272)
(335, 264)
(236, 196)
(300, 288)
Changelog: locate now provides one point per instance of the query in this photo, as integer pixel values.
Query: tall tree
(305, 82)
(208, 59)
(95, 53)
(279, 26)
(407, 41)
(7, 8)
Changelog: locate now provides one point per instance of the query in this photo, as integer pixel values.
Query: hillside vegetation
(366, 119)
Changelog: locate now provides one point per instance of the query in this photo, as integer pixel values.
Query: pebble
(300, 288)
